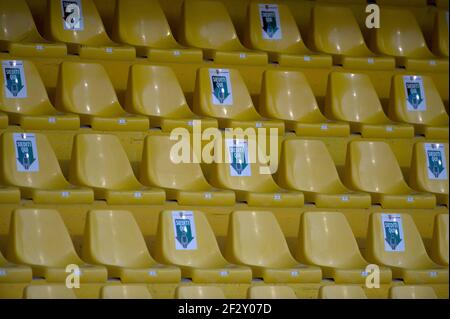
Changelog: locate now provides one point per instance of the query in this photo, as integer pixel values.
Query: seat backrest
(125, 292)
(199, 292)
(48, 291)
(99, 161)
(28, 160)
(17, 22)
(440, 33)
(439, 244)
(39, 237)
(415, 99)
(271, 292)
(155, 91)
(112, 237)
(341, 292)
(412, 292)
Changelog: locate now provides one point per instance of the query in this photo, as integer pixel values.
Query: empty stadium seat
(19, 36)
(251, 181)
(9, 194)
(255, 239)
(415, 100)
(307, 166)
(78, 90)
(155, 92)
(412, 292)
(125, 292)
(400, 36)
(325, 239)
(183, 182)
(24, 98)
(78, 24)
(439, 44)
(207, 25)
(271, 28)
(341, 292)
(394, 241)
(185, 239)
(38, 238)
(334, 30)
(142, 24)
(287, 96)
(112, 238)
(439, 244)
(99, 162)
(429, 170)
(12, 273)
(48, 292)
(222, 94)
(271, 292)
(199, 292)
(373, 168)
(29, 162)
(351, 97)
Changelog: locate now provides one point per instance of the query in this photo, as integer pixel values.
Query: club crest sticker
(436, 161)
(72, 15)
(415, 93)
(394, 240)
(184, 230)
(222, 93)
(27, 159)
(15, 84)
(270, 21)
(239, 159)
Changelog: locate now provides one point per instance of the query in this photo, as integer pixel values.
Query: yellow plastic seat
(142, 24)
(199, 292)
(3, 120)
(325, 239)
(394, 241)
(183, 182)
(415, 100)
(48, 292)
(271, 28)
(439, 42)
(351, 97)
(400, 36)
(26, 102)
(99, 162)
(29, 163)
(78, 24)
(185, 239)
(9, 194)
(287, 96)
(19, 36)
(373, 168)
(155, 92)
(12, 273)
(307, 166)
(412, 292)
(207, 25)
(222, 94)
(255, 239)
(334, 30)
(439, 244)
(38, 238)
(112, 238)
(429, 170)
(125, 292)
(271, 292)
(341, 292)
(78, 90)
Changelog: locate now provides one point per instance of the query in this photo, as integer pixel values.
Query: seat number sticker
(27, 159)
(415, 93)
(72, 15)
(184, 230)
(394, 240)
(436, 161)
(14, 79)
(222, 93)
(270, 21)
(238, 157)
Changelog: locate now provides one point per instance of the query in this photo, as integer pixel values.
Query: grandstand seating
(12, 273)
(341, 292)
(199, 292)
(125, 292)
(271, 292)
(440, 34)
(50, 291)
(412, 292)
(439, 246)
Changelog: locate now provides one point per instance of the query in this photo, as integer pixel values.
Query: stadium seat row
(206, 31)
(154, 98)
(185, 246)
(100, 169)
(56, 291)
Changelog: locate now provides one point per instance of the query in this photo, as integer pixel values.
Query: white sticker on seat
(15, 83)
(72, 15)
(270, 21)
(436, 161)
(414, 93)
(27, 157)
(184, 230)
(238, 157)
(221, 90)
(392, 225)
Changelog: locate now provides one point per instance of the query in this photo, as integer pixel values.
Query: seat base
(422, 276)
(383, 130)
(69, 195)
(282, 198)
(412, 200)
(426, 65)
(226, 274)
(88, 273)
(302, 60)
(104, 52)
(355, 276)
(433, 132)
(3, 120)
(344, 200)
(144, 196)
(11, 273)
(365, 63)
(297, 274)
(126, 122)
(442, 199)
(269, 124)
(157, 273)
(175, 55)
(168, 125)
(236, 57)
(41, 49)
(337, 129)
(9, 195)
(46, 122)
(212, 197)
